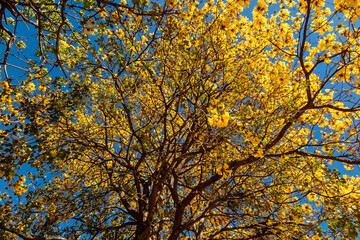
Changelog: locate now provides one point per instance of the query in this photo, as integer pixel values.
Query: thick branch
(177, 227)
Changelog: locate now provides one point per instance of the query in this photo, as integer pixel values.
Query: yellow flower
(46, 101)
(316, 237)
(103, 14)
(349, 167)
(109, 33)
(4, 85)
(312, 197)
(89, 31)
(64, 44)
(30, 87)
(327, 11)
(224, 120)
(327, 60)
(42, 88)
(19, 190)
(213, 120)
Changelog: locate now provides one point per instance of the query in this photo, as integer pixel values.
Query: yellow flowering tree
(186, 119)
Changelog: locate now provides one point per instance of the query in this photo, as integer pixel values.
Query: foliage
(181, 119)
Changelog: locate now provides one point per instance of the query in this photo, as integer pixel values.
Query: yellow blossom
(42, 88)
(312, 197)
(64, 44)
(103, 14)
(349, 167)
(89, 31)
(30, 87)
(224, 120)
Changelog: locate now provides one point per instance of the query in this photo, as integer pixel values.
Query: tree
(183, 119)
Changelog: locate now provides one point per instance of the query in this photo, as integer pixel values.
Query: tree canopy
(179, 119)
